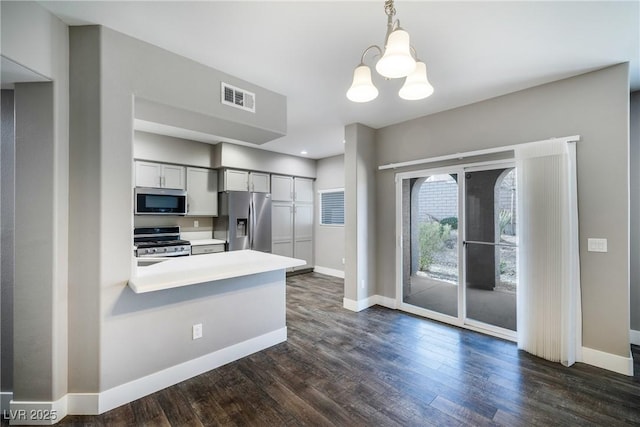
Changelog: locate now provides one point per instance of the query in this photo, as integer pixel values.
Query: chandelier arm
(414, 52)
(373, 46)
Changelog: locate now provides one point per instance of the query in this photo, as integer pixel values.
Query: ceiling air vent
(238, 98)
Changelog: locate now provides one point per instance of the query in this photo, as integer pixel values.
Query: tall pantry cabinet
(292, 217)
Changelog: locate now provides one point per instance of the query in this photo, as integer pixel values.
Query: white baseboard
(385, 301)
(611, 362)
(83, 403)
(634, 337)
(363, 304)
(358, 305)
(329, 271)
(36, 413)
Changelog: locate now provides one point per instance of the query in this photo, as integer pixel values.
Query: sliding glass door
(431, 244)
(491, 247)
(458, 226)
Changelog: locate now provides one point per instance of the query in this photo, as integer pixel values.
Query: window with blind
(332, 207)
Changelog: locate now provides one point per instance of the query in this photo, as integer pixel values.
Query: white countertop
(201, 242)
(191, 270)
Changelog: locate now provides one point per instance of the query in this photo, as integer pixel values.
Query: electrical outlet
(597, 245)
(196, 224)
(196, 331)
(342, 261)
(362, 284)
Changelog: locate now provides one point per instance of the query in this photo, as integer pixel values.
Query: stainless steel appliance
(159, 201)
(245, 220)
(159, 242)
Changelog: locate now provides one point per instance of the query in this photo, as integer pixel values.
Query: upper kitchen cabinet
(234, 180)
(303, 190)
(159, 175)
(282, 188)
(202, 192)
(238, 180)
(259, 182)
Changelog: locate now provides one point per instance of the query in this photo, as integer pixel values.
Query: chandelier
(398, 60)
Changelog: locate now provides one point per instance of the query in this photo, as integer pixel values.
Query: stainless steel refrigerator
(245, 220)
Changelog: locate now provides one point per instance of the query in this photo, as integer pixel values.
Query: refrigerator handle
(253, 221)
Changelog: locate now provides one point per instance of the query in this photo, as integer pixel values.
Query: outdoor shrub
(504, 220)
(452, 221)
(503, 267)
(432, 237)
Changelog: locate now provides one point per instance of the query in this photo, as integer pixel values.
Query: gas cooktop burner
(159, 242)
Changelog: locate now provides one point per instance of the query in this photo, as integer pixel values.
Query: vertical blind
(549, 301)
(332, 207)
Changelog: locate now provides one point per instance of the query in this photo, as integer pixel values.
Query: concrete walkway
(496, 308)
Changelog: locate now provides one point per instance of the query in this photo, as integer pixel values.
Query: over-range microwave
(159, 201)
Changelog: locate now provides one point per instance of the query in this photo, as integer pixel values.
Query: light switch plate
(597, 245)
(196, 331)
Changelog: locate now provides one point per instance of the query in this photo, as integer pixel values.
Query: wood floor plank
(382, 367)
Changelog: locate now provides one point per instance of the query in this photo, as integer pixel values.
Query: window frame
(320, 207)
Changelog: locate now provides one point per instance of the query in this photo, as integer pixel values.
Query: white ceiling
(307, 50)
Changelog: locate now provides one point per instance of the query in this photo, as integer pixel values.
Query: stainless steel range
(159, 242)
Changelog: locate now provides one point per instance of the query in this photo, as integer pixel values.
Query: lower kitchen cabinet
(207, 249)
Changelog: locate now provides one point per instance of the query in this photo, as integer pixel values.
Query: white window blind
(332, 207)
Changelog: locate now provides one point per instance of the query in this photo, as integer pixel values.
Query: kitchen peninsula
(192, 270)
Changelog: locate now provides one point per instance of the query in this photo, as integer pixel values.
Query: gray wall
(37, 40)
(7, 224)
(634, 178)
(162, 148)
(211, 116)
(241, 157)
(168, 149)
(593, 105)
(329, 240)
(130, 336)
(360, 212)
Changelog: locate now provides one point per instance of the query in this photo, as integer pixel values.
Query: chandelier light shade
(396, 60)
(416, 85)
(362, 88)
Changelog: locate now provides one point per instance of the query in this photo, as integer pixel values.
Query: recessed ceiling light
(303, 152)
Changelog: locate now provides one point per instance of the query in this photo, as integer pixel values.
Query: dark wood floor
(381, 367)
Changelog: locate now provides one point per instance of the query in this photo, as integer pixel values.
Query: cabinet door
(202, 192)
(236, 180)
(259, 182)
(148, 174)
(303, 249)
(303, 190)
(173, 177)
(303, 222)
(281, 222)
(282, 188)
